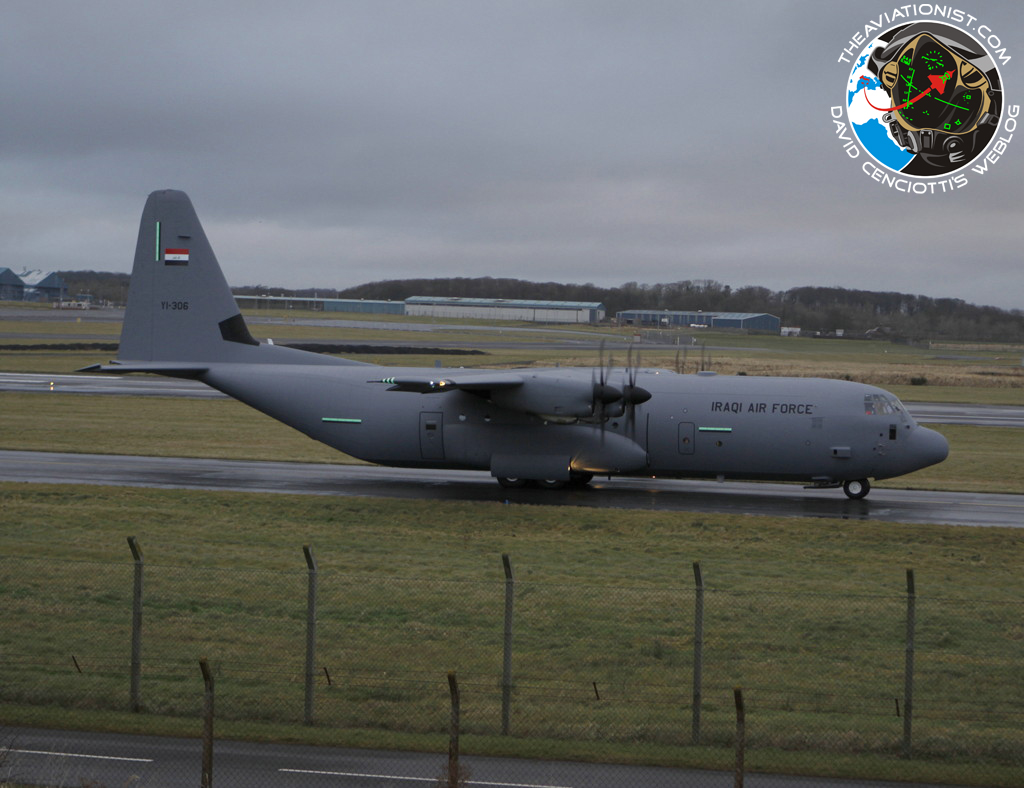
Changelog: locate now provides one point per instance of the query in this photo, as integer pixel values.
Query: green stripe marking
(329, 420)
(714, 429)
(157, 260)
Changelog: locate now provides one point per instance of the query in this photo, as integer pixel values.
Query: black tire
(580, 479)
(856, 489)
(511, 483)
(551, 484)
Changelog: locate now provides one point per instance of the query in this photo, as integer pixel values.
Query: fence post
(453, 735)
(310, 634)
(134, 693)
(741, 737)
(908, 675)
(506, 666)
(206, 781)
(698, 650)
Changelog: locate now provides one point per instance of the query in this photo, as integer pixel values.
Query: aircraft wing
(549, 393)
(423, 384)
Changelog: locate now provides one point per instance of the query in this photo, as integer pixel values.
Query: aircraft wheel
(856, 489)
(580, 479)
(551, 484)
(511, 482)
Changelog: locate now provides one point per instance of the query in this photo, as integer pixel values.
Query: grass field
(409, 592)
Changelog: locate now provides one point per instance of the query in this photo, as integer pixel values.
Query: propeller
(604, 394)
(610, 401)
(632, 394)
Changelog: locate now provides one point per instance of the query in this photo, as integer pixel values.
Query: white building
(506, 309)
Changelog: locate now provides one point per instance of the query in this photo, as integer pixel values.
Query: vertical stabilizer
(179, 305)
(181, 313)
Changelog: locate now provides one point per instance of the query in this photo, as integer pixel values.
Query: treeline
(825, 309)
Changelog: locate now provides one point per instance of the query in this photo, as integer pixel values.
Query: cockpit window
(882, 405)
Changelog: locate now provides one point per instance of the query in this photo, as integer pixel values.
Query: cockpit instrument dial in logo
(924, 99)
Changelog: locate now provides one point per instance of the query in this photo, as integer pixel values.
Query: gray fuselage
(702, 425)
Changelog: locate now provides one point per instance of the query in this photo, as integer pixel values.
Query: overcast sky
(335, 142)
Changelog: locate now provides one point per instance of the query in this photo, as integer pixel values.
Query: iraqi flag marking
(175, 256)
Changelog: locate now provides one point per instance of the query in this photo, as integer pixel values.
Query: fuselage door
(432, 436)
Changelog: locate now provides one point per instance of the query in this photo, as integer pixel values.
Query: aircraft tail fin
(180, 308)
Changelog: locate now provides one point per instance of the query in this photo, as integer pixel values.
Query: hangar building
(358, 305)
(429, 306)
(43, 286)
(506, 309)
(35, 286)
(663, 318)
(11, 286)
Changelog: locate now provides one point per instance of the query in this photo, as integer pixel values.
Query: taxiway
(783, 500)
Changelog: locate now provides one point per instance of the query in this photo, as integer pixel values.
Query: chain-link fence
(913, 676)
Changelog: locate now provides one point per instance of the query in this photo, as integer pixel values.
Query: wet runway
(784, 500)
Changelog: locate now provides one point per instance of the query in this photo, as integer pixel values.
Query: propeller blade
(603, 393)
(630, 395)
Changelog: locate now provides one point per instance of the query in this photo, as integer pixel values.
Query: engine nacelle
(559, 397)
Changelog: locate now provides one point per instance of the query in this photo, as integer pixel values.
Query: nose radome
(932, 447)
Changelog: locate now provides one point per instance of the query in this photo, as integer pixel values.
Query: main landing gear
(856, 489)
(577, 479)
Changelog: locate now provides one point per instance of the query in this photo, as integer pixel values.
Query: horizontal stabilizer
(177, 370)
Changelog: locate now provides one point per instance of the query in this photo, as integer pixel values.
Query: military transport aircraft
(547, 427)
